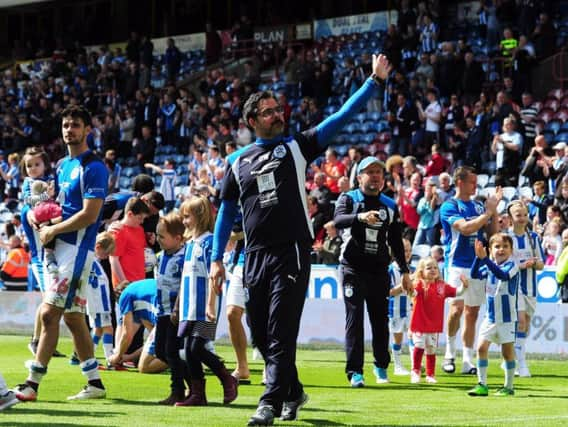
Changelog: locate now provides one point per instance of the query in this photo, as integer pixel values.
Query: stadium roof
(11, 3)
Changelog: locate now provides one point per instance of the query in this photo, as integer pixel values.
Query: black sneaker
(264, 416)
(56, 353)
(290, 409)
(449, 366)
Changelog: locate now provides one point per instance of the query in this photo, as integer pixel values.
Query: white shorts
(474, 295)
(398, 325)
(237, 295)
(425, 340)
(60, 290)
(150, 343)
(526, 304)
(100, 320)
(498, 333)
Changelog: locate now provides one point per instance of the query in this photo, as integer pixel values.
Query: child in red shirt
(427, 320)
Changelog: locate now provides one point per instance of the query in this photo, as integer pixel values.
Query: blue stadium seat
(561, 137)
(330, 109)
(353, 139)
(124, 182)
(549, 136)
(553, 125)
(360, 117)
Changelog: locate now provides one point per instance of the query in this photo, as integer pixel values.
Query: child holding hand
(427, 320)
(501, 273)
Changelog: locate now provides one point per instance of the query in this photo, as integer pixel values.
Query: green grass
(541, 400)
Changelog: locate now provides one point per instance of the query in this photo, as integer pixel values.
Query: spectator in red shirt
(408, 202)
(437, 163)
(333, 170)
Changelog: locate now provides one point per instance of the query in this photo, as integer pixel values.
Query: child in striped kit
(170, 235)
(199, 305)
(501, 273)
(530, 258)
(98, 298)
(399, 310)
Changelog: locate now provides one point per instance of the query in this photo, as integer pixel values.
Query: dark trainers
(264, 416)
(290, 409)
(56, 353)
(449, 366)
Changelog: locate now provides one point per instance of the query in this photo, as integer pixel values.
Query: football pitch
(131, 400)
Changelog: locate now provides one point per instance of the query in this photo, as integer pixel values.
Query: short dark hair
(250, 109)
(137, 206)
(156, 199)
(142, 183)
(77, 112)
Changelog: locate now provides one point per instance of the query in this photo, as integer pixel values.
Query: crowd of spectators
(443, 106)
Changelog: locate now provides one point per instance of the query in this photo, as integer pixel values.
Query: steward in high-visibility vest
(15, 268)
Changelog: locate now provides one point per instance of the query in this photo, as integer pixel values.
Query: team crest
(382, 214)
(75, 173)
(279, 152)
(348, 291)
(479, 209)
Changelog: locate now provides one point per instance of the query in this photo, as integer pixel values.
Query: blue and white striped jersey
(501, 286)
(428, 33)
(459, 251)
(399, 305)
(168, 278)
(194, 290)
(168, 183)
(526, 246)
(98, 291)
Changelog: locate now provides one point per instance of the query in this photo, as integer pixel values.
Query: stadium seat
(360, 117)
(482, 180)
(564, 127)
(374, 116)
(526, 192)
(124, 182)
(510, 193)
(486, 192)
(549, 136)
(502, 205)
(421, 251)
(561, 137)
(553, 126)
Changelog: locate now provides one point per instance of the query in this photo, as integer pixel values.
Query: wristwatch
(376, 78)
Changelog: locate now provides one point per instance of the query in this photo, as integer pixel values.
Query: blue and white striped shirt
(194, 290)
(501, 286)
(169, 177)
(98, 291)
(399, 305)
(524, 249)
(168, 278)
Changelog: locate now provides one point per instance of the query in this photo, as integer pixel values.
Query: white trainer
(468, 368)
(400, 370)
(7, 400)
(89, 392)
(414, 377)
(431, 380)
(524, 372)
